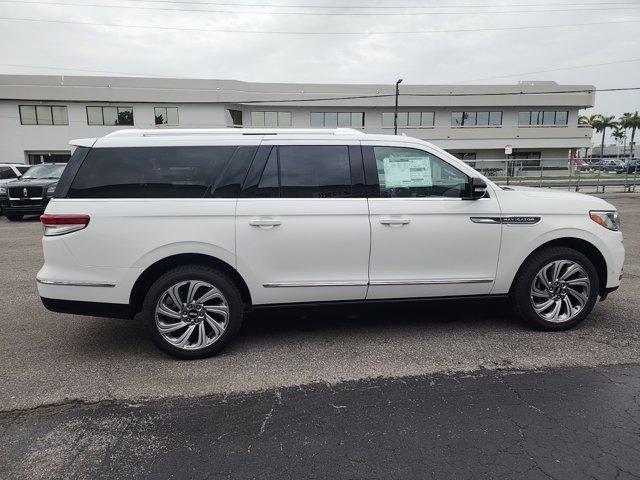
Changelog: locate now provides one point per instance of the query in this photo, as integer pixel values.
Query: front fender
(518, 245)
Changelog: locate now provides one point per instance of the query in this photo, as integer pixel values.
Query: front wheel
(555, 289)
(193, 311)
(13, 217)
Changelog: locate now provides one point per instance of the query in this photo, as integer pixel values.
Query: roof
(240, 136)
(183, 90)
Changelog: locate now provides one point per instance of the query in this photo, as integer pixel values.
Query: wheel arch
(583, 246)
(155, 270)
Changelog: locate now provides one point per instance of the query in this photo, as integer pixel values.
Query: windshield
(43, 171)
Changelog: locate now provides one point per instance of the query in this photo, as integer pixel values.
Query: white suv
(192, 228)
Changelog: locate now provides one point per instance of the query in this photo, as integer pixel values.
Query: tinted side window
(320, 171)
(6, 173)
(230, 182)
(149, 172)
(407, 172)
(268, 186)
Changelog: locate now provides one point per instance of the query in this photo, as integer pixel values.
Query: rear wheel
(555, 289)
(193, 311)
(13, 217)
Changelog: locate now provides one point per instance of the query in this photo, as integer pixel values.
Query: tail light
(61, 224)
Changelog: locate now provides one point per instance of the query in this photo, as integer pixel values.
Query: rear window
(149, 172)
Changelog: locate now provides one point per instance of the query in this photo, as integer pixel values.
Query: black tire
(222, 282)
(520, 294)
(13, 217)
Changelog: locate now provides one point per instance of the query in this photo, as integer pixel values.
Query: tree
(631, 121)
(601, 124)
(584, 120)
(619, 133)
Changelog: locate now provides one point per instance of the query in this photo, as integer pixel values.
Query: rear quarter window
(149, 172)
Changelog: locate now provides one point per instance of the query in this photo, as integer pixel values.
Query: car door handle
(264, 222)
(395, 222)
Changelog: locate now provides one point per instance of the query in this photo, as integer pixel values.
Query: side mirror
(477, 189)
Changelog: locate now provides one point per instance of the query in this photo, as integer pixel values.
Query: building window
(476, 119)
(270, 119)
(166, 115)
(36, 158)
(409, 119)
(528, 159)
(236, 117)
(337, 119)
(109, 115)
(43, 115)
(545, 118)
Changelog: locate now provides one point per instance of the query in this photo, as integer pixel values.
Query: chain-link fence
(597, 176)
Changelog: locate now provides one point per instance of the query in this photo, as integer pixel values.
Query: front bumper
(23, 208)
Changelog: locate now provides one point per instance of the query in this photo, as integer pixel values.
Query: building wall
(205, 104)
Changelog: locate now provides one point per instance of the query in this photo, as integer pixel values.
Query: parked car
(193, 228)
(609, 165)
(633, 165)
(583, 167)
(30, 194)
(8, 173)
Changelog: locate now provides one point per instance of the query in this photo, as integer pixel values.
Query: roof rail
(232, 131)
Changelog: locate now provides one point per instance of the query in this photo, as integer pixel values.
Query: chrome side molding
(72, 283)
(356, 283)
(431, 281)
(426, 281)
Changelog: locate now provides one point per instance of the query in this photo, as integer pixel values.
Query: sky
(359, 41)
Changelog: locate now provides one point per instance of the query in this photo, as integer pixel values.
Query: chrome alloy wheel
(192, 314)
(560, 290)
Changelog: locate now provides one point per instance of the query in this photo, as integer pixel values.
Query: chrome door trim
(431, 281)
(496, 220)
(508, 220)
(427, 281)
(73, 283)
(356, 283)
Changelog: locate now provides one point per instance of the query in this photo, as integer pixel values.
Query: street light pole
(395, 112)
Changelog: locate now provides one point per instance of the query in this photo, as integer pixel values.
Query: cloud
(426, 58)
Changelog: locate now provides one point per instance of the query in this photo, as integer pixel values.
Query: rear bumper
(91, 309)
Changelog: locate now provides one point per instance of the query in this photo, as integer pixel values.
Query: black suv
(30, 194)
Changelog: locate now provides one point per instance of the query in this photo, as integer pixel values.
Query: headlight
(609, 220)
(3, 190)
(51, 189)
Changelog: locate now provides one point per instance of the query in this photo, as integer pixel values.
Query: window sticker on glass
(407, 172)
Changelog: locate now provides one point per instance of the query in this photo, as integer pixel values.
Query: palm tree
(587, 120)
(619, 133)
(632, 122)
(601, 124)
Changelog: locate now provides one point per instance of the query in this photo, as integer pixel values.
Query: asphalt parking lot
(57, 366)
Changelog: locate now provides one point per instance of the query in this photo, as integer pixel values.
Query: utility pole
(395, 112)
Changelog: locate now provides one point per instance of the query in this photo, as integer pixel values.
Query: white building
(40, 114)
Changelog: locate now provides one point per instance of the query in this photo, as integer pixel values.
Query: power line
(559, 69)
(340, 14)
(197, 77)
(384, 7)
(46, 67)
(465, 94)
(286, 32)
